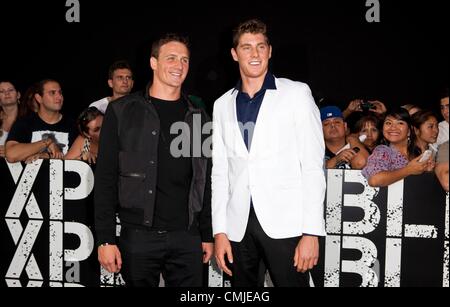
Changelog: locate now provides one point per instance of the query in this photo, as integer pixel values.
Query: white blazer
(283, 173)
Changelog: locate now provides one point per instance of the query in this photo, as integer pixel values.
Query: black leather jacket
(125, 176)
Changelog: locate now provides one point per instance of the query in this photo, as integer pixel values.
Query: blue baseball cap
(330, 112)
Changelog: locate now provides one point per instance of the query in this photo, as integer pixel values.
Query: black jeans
(276, 254)
(177, 255)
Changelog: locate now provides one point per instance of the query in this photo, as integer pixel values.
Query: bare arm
(359, 161)
(75, 151)
(386, 178)
(441, 171)
(16, 152)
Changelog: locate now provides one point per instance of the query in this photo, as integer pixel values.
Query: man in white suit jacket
(268, 182)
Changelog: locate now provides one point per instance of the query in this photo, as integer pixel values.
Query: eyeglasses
(444, 106)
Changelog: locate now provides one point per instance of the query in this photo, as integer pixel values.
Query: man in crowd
(45, 134)
(120, 80)
(443, 126)
(341, 152)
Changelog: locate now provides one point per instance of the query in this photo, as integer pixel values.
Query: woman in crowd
(85, 147)
(10, 110)
(370, 126)
(426, 128)
(398, 158)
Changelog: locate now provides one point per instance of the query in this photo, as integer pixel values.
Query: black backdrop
(328, 44)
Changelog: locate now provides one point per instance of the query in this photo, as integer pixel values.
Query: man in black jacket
(163, 197)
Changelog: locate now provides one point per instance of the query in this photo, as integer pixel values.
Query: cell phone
(366, 105)
(426, 155)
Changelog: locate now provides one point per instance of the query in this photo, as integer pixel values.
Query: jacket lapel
(241, 149)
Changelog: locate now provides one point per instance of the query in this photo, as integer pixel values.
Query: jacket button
(147, 222)
(150, 192)
(152, 162)
(154, 133)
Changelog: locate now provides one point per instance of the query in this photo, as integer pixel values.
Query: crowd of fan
(32, 126)
(387, 144)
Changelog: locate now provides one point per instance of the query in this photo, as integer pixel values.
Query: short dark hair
(167, 38)
(253, 26)
(122, 64)
(40, 86)
(86, 117)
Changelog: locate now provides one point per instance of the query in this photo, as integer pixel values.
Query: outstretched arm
(16, 152)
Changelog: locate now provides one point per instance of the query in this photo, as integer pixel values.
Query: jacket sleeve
(205, 215)
(106, 180)
(311, 146)
(219, 177)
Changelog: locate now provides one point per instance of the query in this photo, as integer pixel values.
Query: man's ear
(234, 54)
(110, 83)
(153, 63)
(38, 98)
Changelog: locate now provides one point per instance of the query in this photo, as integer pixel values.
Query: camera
(366, 105)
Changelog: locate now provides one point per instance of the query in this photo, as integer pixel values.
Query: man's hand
(208, 251)
(306, 254)
(378, 107)
(55, 151)
(110, 258)
(223, 247)
(354, 106)
(346, 156)
(36, 157)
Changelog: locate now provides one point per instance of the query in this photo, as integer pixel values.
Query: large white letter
(363, 266)
(86, 183)
(364, 201)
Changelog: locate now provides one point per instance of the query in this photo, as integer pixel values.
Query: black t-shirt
(32, 129)
(174, 174)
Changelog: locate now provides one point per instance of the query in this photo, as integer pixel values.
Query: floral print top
(384, 158)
